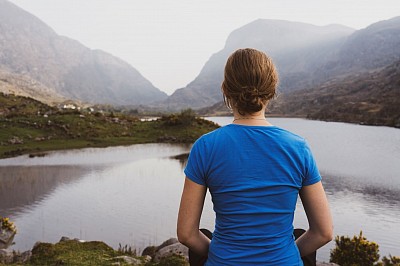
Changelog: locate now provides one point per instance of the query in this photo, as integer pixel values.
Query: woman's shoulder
(289, 134)
(212, 135)
(207, 136)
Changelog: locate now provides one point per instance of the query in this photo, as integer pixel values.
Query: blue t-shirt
(254, 174)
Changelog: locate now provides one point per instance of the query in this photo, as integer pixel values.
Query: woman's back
(254, 174)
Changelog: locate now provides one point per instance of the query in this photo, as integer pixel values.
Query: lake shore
(31, 127)
(78, 252)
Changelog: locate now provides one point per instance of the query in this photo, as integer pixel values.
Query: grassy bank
(31, 127)
(77, 253)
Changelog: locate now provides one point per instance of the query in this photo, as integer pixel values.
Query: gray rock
(147, 258)
(6, 256)
(6, 238)
(129, 260)
(64, 238)
(168, 242)
(177, 249)
(150, 251)
(15, 140)
(326, 264)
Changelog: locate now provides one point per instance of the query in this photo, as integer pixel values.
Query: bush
(5, 224)
(391, 261)
(185, 118)
(355, 251)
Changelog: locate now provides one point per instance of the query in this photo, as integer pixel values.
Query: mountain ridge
(349, 53)
(206, 86)
(29, 47)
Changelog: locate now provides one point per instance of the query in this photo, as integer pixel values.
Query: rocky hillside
(306, 56)
(369, 49)
(30, 48)
(371, 98)
(24, 85)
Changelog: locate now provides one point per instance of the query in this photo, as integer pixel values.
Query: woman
(255, 172)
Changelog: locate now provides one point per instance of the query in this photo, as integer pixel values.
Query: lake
(130, 195)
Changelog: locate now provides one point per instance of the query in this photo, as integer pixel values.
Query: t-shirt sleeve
(195, 168)
(311, 172)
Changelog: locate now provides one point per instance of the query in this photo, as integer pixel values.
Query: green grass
(74, 252)
(38, 128)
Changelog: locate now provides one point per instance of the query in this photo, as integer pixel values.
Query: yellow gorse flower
(5, 224)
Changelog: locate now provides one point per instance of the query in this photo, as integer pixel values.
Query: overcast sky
(168, 42)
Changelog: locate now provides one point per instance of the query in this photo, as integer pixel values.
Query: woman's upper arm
(317, 209)
(190, 209)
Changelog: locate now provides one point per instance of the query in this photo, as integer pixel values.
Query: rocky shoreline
(170, 252)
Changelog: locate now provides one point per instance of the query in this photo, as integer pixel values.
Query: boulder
(64, 238)
(168, 242)
(6, 238)
(149, 251)
(147, 258)
(174, 249)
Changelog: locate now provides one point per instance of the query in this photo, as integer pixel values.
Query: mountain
(30, 48)
(371, 98)
(370, 48)
(22, 85)
(298, 49)
(306, 56)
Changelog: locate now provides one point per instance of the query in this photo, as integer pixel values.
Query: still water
(130, 195)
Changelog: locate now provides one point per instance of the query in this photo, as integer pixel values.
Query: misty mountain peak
(29, 47)
(276, 36)
(306, 55)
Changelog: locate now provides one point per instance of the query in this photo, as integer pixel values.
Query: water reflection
(100, 156)
(182, 158)
(21, 187)
(369, 191)
(126, 195)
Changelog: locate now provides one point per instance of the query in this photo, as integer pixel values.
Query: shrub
(185, 117)
(355, 251)
(5, 224)
(391, 261)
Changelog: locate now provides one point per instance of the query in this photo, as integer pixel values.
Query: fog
(170, 41)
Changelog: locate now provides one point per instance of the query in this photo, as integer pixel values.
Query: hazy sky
(168, 42)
